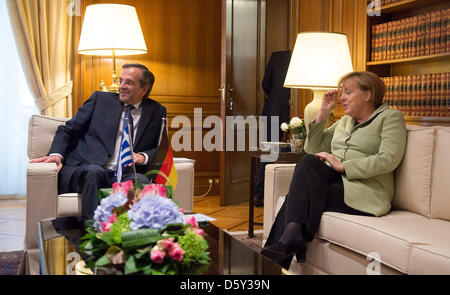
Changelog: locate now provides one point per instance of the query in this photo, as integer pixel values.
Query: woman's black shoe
(283, 254)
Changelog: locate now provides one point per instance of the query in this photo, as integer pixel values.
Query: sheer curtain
(16, 107)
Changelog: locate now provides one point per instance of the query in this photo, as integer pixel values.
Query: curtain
(43, 34)
(17, 107)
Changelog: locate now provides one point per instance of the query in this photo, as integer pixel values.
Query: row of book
(419, 95)
(419, 35)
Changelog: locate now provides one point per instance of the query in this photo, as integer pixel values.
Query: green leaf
(142, 252)
(175, 228)
(130, 266)
(139, 238)
(103, 260)
(106, 237)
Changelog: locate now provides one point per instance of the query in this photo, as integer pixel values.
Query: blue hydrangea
(154, 212)
(103, 211)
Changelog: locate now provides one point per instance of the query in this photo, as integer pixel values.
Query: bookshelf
(409, 47)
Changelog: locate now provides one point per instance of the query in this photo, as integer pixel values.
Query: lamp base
(312, 108)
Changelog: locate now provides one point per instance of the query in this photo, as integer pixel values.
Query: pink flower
(106, 227)
(126, 186)
(116, 187)
(192, 221)
(154, 189)
(112, 218)
(181, 210)
(199, 231)
(175, 252)
(123, 186)
(165, 244)
(157, 255)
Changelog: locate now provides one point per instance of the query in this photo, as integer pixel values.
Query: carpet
(254, 243)
(11, 263)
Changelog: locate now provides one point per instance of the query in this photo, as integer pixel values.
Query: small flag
(164, 159)
(125, 154)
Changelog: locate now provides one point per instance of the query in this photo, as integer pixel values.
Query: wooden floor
(231, 218)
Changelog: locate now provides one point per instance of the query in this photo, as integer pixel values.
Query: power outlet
(216, 181)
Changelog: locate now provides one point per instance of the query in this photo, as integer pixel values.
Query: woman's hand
(329, 101)
(334, 163)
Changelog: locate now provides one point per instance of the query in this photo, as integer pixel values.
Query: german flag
(164, 160)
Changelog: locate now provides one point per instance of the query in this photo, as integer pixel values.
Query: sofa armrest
(42, 193)
(276, 183)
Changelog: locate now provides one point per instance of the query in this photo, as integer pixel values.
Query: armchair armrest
(42, 193)
(276, 183)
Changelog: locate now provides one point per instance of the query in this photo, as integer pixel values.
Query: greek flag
(125, 154)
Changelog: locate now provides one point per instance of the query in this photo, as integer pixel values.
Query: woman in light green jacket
(349, 166)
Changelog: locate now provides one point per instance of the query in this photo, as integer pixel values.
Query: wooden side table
(283, 157)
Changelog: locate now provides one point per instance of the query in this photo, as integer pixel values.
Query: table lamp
(318, 60)
(111, 30)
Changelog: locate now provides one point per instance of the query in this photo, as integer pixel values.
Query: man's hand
(49, 159)
(334, 163)
(138, 159)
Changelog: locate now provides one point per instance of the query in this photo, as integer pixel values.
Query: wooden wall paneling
(183, 42)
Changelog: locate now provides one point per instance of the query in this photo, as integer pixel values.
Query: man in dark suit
(276, 104)
(89, 143)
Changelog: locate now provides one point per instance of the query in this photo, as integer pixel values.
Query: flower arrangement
(297, 126)
(298, 133)
(141, 230)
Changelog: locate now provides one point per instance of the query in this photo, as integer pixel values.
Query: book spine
(437, 35)
(447, 35)
(443, 30)
(373, 43)
(409, 37)
(428, 97)
(427, 33)
(389, 41)
(432, 35)
(433, 95)
(395, 93)
(423, 89)
(414, 95)
(408, 96)
(443, 93)
(414, 37)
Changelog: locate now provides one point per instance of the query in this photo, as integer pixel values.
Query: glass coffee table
(59, 241)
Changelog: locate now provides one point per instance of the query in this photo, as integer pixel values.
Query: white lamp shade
(318, 61)
(109, 27)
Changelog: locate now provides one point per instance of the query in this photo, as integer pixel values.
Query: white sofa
(414, 238)
(43, 200)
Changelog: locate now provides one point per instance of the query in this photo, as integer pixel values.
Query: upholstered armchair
(43, 200)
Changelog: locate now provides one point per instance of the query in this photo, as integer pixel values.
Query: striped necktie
(125, 156)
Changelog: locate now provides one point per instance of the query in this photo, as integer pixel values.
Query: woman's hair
(367, 81)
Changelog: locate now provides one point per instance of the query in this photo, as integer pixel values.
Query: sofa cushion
(440, 184)
(413, 175)
(68, 205)
(41, 131)
(399, 238)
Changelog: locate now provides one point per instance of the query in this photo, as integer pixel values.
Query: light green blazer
(370, 151)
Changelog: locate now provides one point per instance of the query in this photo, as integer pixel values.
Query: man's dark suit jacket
(90, 136)
(277, 102)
